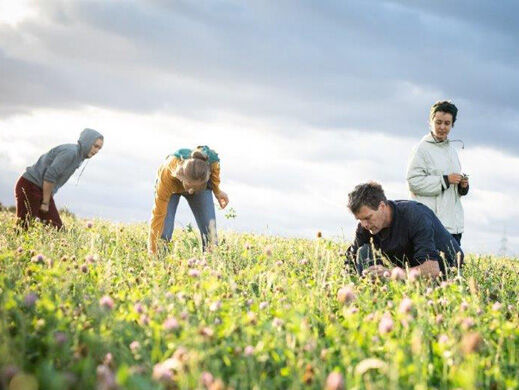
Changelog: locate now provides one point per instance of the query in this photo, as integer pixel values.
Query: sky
(301, 99)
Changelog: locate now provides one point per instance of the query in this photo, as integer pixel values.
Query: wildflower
(277, 322)
(464, 306)
(206, 332)
(443, 339)
(430, 302)
(8, 372)
(90, 259)
(405, 306)
(303, 261)
(215, 306)
(38, 259)
(84, 268)
(335, 381)
(134, 346)
(217, 385)
(439, 319)
(386, 324)
(171, 323)
(206, 378)
(390, 304)
(89, 225)
(106, 302)
(324, 353)
(164, 372)
(105, 378)
(252, 317)
(319, 234)
(279, 263)
(19, 250)
(194, 273)
(144, 320)
(60, 338)
(268, 251)
(354, 310)
(191, 262)
(30, 299)
(468, 323)
(497, 306)
(345, 295)
(139, 308)
(108, 359)
(263, 305)
(249, 350)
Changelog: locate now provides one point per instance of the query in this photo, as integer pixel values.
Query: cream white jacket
(429, 163)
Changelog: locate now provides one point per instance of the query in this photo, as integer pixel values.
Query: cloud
(370, 65)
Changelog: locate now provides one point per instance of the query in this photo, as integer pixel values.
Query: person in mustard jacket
(193, 174)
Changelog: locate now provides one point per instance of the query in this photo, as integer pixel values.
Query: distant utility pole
(504, 240)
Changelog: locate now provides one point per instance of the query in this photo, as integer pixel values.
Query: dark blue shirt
(414, 236)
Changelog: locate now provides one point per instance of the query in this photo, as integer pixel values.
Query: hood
(429, 138)
(86, 140)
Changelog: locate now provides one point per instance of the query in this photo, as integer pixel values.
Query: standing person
(35, 189)
(192, 174)
(434, 172)
(406, 232)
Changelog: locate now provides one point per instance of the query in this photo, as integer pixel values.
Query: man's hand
(44, 208)
(455, 178)
(223, 199)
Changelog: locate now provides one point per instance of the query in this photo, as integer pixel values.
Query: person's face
(441, 125)
(372, 220)
(191, 186)
(96, 147)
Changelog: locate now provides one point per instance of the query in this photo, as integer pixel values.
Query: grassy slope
(301, 334)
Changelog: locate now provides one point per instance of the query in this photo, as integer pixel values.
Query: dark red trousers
(28, 201)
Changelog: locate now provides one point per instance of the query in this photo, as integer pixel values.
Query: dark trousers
(28, 201)
(457, 237)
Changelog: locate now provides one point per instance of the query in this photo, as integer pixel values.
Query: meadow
(88, 308)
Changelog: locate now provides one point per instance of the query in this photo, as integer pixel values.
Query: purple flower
(249, 350)
(215, 306)
(406, 306)
(106, 302)
(263, 305)
(171, 323)
(386, 324)
(60, 338)
(194, 273)
(346, 295)
(139, 308)
(335, 381)
(30, 299)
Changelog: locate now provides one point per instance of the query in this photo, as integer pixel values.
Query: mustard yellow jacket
(166, 186)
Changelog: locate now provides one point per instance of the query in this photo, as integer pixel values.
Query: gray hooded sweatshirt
(58, 164)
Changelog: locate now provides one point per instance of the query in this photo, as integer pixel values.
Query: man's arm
(425, 252)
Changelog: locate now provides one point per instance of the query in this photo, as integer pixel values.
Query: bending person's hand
(223, 199)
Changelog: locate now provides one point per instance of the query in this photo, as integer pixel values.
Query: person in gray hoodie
(35, 189)
(434, 172)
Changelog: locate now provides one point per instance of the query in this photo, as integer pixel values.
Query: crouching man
(35, 189)
(405, 232)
